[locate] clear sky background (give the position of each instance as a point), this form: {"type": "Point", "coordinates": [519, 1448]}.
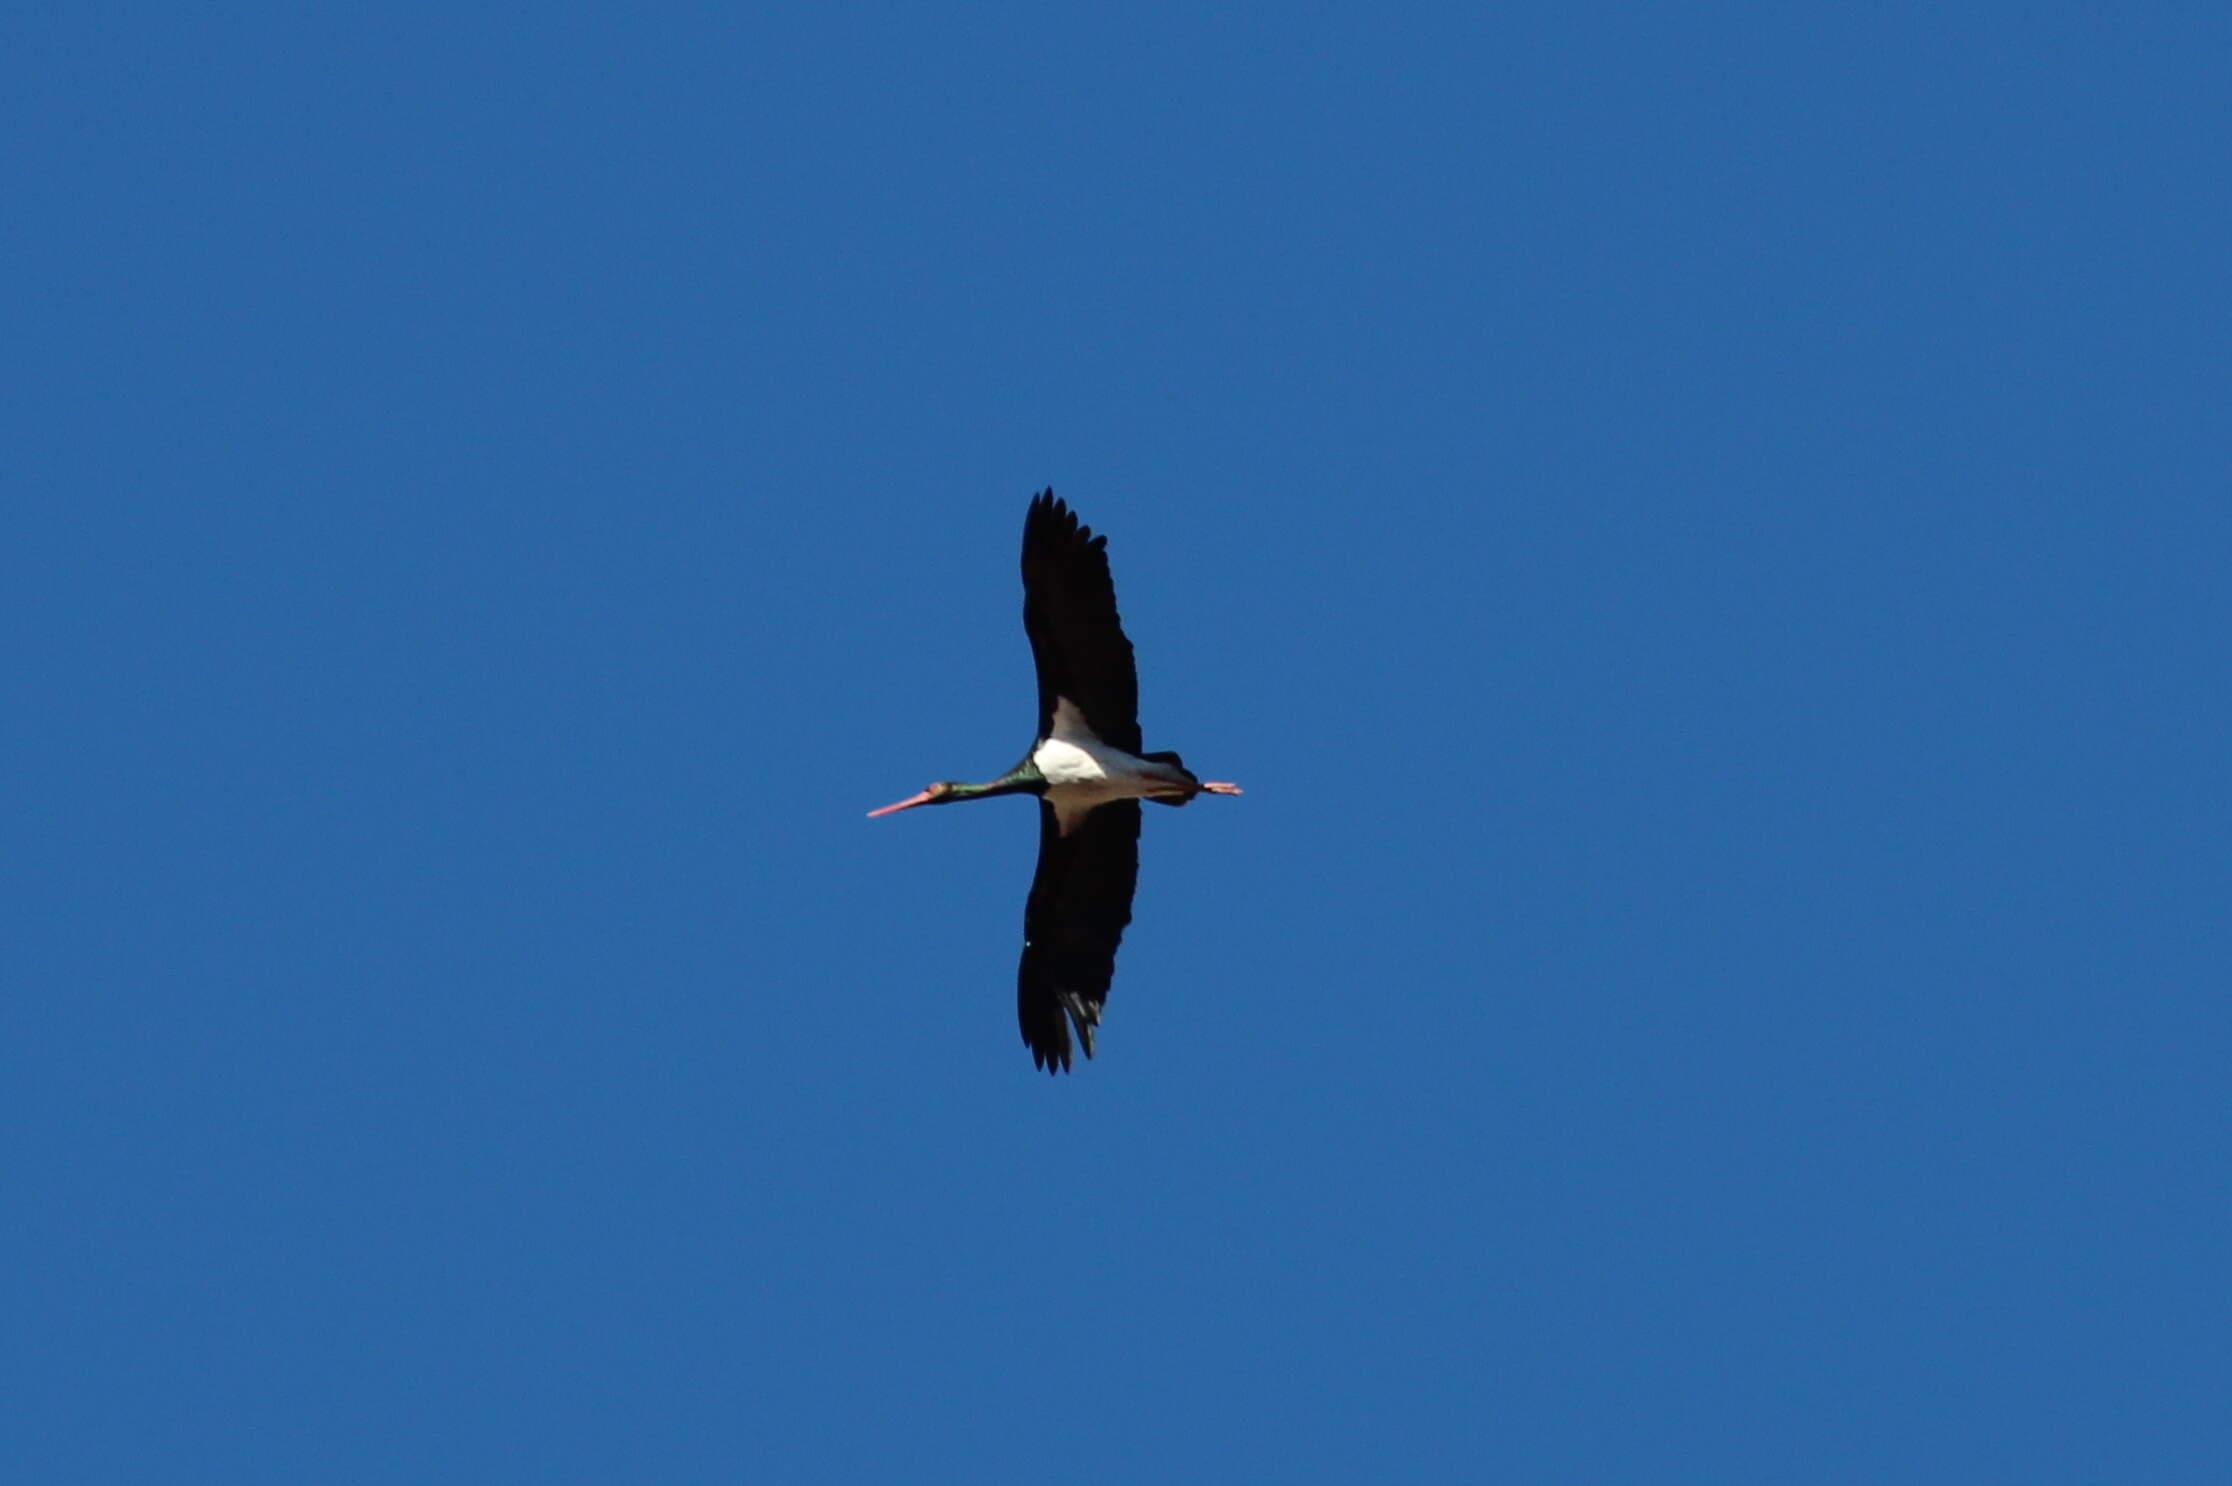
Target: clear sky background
{"type": "Point", "coordinates": [1704, 532]}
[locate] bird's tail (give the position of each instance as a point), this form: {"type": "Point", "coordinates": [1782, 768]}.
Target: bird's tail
{"type": "Point", "coordinates": [1175, 762]}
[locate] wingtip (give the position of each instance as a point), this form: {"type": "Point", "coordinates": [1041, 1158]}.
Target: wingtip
{"type": "Point", "coordinates": [1052, 1051]}
{"type": "Point", "coordinates": [1046, 504]}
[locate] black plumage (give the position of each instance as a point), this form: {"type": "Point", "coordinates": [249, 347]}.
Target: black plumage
{"type": "Point", "coordinates": [1081, 900]}
{"type": "Point", "coordinates": [1069, 611]}
{"type": "Point", "coordinates": [1081, 895]}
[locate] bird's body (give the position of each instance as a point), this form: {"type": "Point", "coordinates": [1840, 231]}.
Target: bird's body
{"type": "Point", "coordinates": [1089, 775]}
{"type": "Point", "coordinates": [1083, 773]}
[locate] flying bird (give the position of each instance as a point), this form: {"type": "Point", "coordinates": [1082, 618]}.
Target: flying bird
{"type": "Point", "coordinates": [1089, 776]}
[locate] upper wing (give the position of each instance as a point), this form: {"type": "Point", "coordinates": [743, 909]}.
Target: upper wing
{"type": "Point", "coordinates": [1080, 901]}
{"type": "Point", "coordinates": [1069, 611]}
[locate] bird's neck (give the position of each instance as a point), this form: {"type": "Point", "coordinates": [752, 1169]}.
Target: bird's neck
{"type": "Point", "coordinates": [1023, 779]}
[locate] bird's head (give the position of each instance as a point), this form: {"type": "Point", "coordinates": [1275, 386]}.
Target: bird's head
{"type": "Point", "coordinates": [936, 794]}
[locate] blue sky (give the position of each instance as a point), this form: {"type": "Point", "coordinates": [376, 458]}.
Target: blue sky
{"type": "Point", "coordinates": [1704, 535]}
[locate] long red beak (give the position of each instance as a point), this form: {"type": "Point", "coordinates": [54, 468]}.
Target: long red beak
{"type": "Point", "coordinates": [907, 804]}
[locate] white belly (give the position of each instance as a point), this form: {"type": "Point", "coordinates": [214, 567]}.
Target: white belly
{"type": "Point", "coordinates": [1081, 771]}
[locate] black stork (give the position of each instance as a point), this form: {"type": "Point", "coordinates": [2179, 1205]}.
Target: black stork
{"type": "Point", "coordinates": [1089, 776]}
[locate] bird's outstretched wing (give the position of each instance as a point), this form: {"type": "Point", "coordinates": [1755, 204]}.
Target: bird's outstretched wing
{"type": "Point", "coordinates": [1069, 611]}
{"type": "Point", "coordinates": [1080, 902]}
